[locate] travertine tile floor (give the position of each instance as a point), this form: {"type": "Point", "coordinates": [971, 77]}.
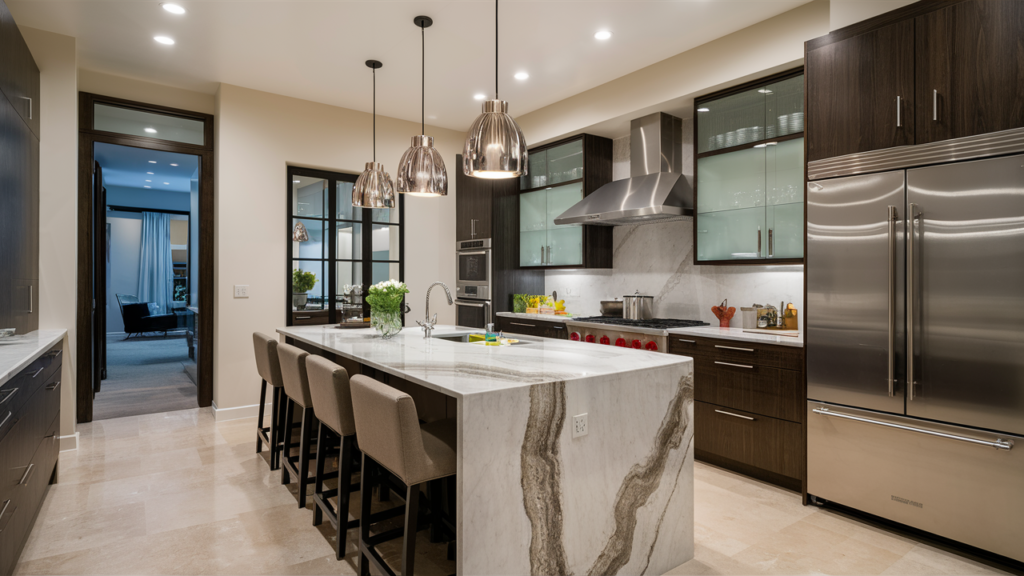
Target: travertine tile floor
{"type": "Point", "coordinates": [177, 493]}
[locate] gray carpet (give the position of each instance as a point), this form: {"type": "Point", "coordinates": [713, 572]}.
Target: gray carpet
{"type": "Point", "coordinates": [145, 375]}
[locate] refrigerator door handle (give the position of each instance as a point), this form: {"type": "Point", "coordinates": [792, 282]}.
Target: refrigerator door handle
{"type": "Point", "coordinates": [912, 216]}
{"type": "Point", "coordinates": [998, 443]}
{"type": "Point", "coordinates": [893, 215]}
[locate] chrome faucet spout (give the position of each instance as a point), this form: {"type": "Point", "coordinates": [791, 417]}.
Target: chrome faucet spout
{"type": "Point", "coordinates": [428, 323]}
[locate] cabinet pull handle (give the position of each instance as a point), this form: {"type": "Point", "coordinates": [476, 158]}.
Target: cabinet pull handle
{"type": "Point", "coordinates": [28, 472]}
{"type": "Point", "coordinates": [687, 341]}
{"type": "Point", "coordinates": [549, 254]}
{"type": "Point", "coordinates": [771, 243]}
{"type": "Point", "coordinates": [303, 317]}
{"type": "Point", "coordinates": [899, 117]}
{"type": "Point", "coordinates": [4, 509]}
{"type": "Point", "coordinates": [912, 216]}
{"type": "Point", "coordinates": [541, 254]}
{"type": "Point", "coordinates": [53, 386]}
{"type": "Point", "coordinates": [518, 324]}
{"type": "Point", "coordinates": [10, 394]}
{"type": "Point", "coordinates": [998, 443]}
{"type": "Point", "coordinates": [758, 241]}
{"type": "Point", "coordinates": [892, 299]}
{"type": "Point", "coordinates": [472, 227]}
{"type": "Point", "coordinates": [734, 365]}
{"type": "Point", "coordinates": [935, 105]}
{"type": "Point", "coordinates": [557, 327]}
{"type": "Point", "coordinates": [734, 348]}
{"type": "Point", "coordinates": [57, 355]}
{"type": "Point", "coordinates": [31, 304]}
{"type": "Point", "coordinates": [37, 372]}
{"type": "Point", "coordinates": [6, 418]}
{"type": "Point", "coordinates": [735, 415]}
{"type": "Point", "coordinates": [29, 106]}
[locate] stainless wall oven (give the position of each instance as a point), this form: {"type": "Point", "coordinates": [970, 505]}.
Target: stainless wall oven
{"type": "Point", "coordinates": [473, 283]}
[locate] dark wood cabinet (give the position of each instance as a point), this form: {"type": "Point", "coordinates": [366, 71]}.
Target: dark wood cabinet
{"type": "Point", "coordinates": [19, 180]}
{"type": "Point", "coordinates": [860, 93]}
{"type": "Point", "coordinates": [539, 328]}
{"type": "Point", "coordinates": [749, 407]}
{"type": "Point", "coordinates": [970, 69]}
{"type": "Point", "coordinates": [474, 206]}
{"type": "Point", "coordinates": [957, 67]}
{"type": "Point", "coordinates": [29, 446]}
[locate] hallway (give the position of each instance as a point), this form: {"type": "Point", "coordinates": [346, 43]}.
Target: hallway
{"type": "Point", "coordinates": [145, 375]}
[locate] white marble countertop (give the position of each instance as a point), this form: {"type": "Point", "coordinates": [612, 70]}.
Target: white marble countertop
{"type": "Point", "coordinates": [20, 350]}
{"type": "Point", "coordinates": [459, 369]}
{"type": "Point", "coordinates": [540, 317]}
{"type": "Point", "coordinates": [744, 335]}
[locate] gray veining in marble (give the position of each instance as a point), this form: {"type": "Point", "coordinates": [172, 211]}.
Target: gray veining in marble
{"type": "Point", "coordinates": [542, 479]}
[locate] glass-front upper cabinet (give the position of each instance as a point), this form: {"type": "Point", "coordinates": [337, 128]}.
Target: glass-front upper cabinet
{"type": "Point", "coordinates": [558, 177]}
{"type": "Point", "coordinates": [749, 174]}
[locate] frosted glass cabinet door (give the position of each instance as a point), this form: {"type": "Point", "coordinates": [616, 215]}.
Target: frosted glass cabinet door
{"type": "Point", "coordinates": [732, 235]}
{"type": "Point", "coordinates": [560, 199]}
{"type": "Point", "coordinates": [784, 172]}
{"type": "Point", "coordinates": [784, 113]}
{"type": "Point", "coordinates": [731, 121]}
{"type": "Point", "coordinates": [787, 224]}
{"type": "Point", "coordinates": [531, 245]}
{"type": "Point", "coordinates": [565, 162]}
{"type": "Point", "coordinates": [533, 211]}
{"type": "Point", "coordinates": [731, 181]}
{"type": "Point", "coordinates": [566, 246]}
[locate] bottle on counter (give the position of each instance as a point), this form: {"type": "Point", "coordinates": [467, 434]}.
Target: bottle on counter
{"type": "Point", "coordinates": [490, 336]}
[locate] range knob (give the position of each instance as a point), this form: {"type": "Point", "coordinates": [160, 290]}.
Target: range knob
{"type": "Point", "coordinates": [590, 338]}
{"type": "Point", "coordinates": [605, 340]}
{"type": "Point", "coordinates": [575, 336]}
{"type": "Point", "coordinates": [652, 346]}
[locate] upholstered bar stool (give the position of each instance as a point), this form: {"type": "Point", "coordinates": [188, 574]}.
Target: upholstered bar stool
{"type": "Point", "coordinates": [269, 368]}
{"type": "Point", "coordinates": [391, 437]}
{"type": "Point", "coordinates": [296, 389]}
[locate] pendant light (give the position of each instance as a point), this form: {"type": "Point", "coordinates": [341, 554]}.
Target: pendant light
{"type": "Point", "coordinates": [300, 234]}
{"type": "Point", "coordinates": [373, 188]}
{"type": "Point", "coordinates": [421, 170]}
{"type": "Point", "coordinates": [495, 146]}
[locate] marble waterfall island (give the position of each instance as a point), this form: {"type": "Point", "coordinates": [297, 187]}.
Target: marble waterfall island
{"type": "Point", "coordinates": [531, 498]}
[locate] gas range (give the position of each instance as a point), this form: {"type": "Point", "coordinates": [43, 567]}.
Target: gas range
{"type": "Point", "coordinates": [649, 334]}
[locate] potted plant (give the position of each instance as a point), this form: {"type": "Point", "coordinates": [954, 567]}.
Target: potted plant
{"type": "Point", "coordinates": [302, 282]}
{"type": "Point", "coordinates": [385, 300]}
{"type": "Point", "coordinates": [520, 302]}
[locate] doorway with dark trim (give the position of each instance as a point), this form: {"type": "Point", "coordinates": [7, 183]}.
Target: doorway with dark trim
{"type": "Point", "coordinates": [135, 325]}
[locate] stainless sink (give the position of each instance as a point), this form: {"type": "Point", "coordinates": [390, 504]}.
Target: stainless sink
{"type": "Point", "coordinates": [465, 338]}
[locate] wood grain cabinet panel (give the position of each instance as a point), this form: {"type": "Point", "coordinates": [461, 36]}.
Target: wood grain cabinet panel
{"type": "Point", "coordinates": [757, 389]}
{"type": "Point", "coordinates": [538, 328]}
{"type": "Point", "coordinates": [970, 69]}
{"type": "Point", "coordinates": [769, 444]}
{"type": "Point", "coordinates": [785, 357]}
{"type": "Point", "coordinates": [852, 90]}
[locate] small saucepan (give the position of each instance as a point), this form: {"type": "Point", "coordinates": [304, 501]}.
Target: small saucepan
{"type": "Point", "coordinates": [611, 308]}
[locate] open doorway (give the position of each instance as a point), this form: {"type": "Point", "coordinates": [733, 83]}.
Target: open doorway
{"type": "Point", "coordinates": [151, 280]}
{"type": "Point", "coordinates": [145, 283]}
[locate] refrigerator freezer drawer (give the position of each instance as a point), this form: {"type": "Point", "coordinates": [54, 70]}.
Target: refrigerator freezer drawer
{"type": "Point", "coordinates": [960, 483]}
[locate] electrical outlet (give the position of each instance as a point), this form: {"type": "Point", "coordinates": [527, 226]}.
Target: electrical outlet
{"type": "Point", "coordinates": [579, 425]}
{"type": "Point", "coordinates": [241, 290]}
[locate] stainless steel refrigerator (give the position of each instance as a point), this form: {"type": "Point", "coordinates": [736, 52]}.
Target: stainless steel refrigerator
{"type": "Point", "coordinates": [917, 275]}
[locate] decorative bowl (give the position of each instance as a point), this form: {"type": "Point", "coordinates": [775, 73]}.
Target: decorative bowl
{"type": "Point", "coordinates": [6, 332]}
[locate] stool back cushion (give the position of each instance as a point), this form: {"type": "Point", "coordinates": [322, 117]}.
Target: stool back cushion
{"type": "Point", "coordinates": [332, 398]}
{"type": "Point", "coordinates": [267, 362]}
{"type": "Point", "coordinates": [293, 374]}
{"type": "Point", "coordinates": [388, 428]}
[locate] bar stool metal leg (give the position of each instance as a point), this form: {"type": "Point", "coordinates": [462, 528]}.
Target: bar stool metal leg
{"type": "Point", "coordinates": [275, 440]}
{"type": "Point", "coordinates": [365, 500]}
{"type": "Point", "coordinates": [307, 430]}
{"type": "Point", "coordinates": [286, 431]}
{"type": "Point", "coordinates": [318, 483]}
{"type": "Point", "coordinates": [259, 420]}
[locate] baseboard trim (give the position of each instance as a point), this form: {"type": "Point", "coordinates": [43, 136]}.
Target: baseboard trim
{"type": "Point", "coordinates": [238, 412]}
{"type": "Point", "coordinates": [69, 442]}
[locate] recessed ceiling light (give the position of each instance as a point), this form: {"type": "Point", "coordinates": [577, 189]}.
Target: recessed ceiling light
{"type": "Point", "coordinates": [148, 172]}
{"type": "Point", "coordinates": [765, 91]}
{"type": "Point", "coordinates": [603, 35]}
{"type": "Point", "coordinates": [703, 110]}
{"type": "Point", "coordinates": [173, 8]}
{"type": "Point", "coordinates": [164, 40]}
{"type": "Point", "coordinates": [296, 181]}
{"type": "Point", "coordinates": [151, 130]}
{"type": "Point", "coordinates": [146, 186]}
{"type": "Point", "coordinates": [148, 180]}
{"type": "Point", "coordinates": [173, 164]}
{"type": "Point", "coordinates": [152, 161]}
{"type": "Point", "coordinates": [521, 76]}
{"type": "Point", "coordinates": [479, 96]}
{"type": "Point", "coordinates": [167, 183]}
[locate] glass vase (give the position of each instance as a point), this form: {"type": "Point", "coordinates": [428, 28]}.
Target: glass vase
{"type": "Point", "coordinates": [388, 323]}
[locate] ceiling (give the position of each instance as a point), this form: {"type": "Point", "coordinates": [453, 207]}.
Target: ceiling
{"type": "Point", "coordinates": [130, 167]}
{"type": "Point", "coordinates": [315, 50]}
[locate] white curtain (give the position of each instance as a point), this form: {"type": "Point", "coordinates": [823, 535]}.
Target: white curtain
{"type": "Point", "coordinates": [156, 272]}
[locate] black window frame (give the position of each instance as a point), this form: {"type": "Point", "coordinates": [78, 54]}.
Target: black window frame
{"type": "Point", "coordinates": [330, 260]}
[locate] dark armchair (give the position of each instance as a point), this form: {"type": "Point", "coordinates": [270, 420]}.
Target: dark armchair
{"type": "Point", "coordinates": [139, 317]}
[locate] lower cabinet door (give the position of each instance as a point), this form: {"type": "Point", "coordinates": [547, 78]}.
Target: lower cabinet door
{"type": "Point", "coordinates": [751, 439]}
{"type": "Point", "coordinates": [758, 389]}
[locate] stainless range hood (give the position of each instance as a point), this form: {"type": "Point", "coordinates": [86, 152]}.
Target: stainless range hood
{"type": "Point", "coordinates": [656, 190]}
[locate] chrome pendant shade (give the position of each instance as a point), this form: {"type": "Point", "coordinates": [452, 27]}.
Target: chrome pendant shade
{"type": "Point", "coordinates": [421, 170]}
{"type": "Point", "coordinates": [495, 146]}
{"type": "Point", "coordinates": [373, 188]}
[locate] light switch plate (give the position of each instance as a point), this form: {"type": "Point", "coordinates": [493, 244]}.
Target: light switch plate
{"type": "Point", "coordinates": [579, 425]}
{"type": "Point", "coordinates": [241, 290]}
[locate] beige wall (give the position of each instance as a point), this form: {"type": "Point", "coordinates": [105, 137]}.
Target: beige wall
{"type": "Point", "coordinates": [845, 12]}
{"type": "Point", "coordinates": [141, 91]}
{"type": "Point", "coordinates": [258, 136]}
{"type": "Point", "coordinates": [670, 85]}
{"type": "Point", "coordinates": [58, 184]}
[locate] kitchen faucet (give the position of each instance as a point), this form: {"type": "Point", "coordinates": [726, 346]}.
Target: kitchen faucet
{"type": "Point", "coordinates": [428, 323]}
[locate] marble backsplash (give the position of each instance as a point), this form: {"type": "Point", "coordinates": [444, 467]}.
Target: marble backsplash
{"type": "Point", "coordinates": [657, 259]}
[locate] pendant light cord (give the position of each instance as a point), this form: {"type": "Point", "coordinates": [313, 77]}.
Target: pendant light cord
{"type": "Point", "coordinates": [374, 115]}
{"type": "Point", "coordinates": [423, 79]}
{"type": "Point", "coordinates": [496, 50]}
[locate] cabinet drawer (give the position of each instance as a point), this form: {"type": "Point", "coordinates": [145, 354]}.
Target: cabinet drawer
{"type": "Point", "coordinates": [305, 318]}
{"type": "Point", "coordinates": [761, 390]}
{"type": "Point", "coordinates": [539, 328]}
{"type": "Point", "coordinates": [752, 439]}
{"type": "Point", "coordinates": [786, 357]}
{"type": "Point", "coordinates": [51, 398]}
{"type": "Point", "coordinates": [51, 361]}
